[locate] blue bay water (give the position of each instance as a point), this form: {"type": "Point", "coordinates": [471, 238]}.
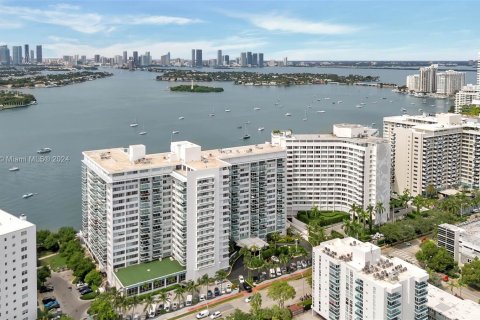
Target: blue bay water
{"type": "Point", "coordinates": [97, 114]}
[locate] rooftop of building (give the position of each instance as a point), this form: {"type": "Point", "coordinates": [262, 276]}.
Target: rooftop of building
{"type": "Point", "coordinates": [10, 223]}
{"type": "Point", "coordinates": [470, 232]}
{"type": "Point", "coordinates": [450, 306]}
{"type": "Point", "coordinates": [387, 272]}
{"type": "Point", "coordinates": [117, 160]}
{"type": "Point", "coordinates": [143, 272]}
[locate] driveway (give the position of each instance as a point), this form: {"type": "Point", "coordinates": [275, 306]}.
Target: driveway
{"type": "Point", "coordinates": [69, 299]}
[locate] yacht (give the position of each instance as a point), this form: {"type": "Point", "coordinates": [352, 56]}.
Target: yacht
{"type": "Point", "coordinates": [181, 118]}
{"type": "Point", "coordinates": [256, 108]}
{"type": "Point", "coordinates": [339, 101]}
{"type": "Point", "coordinates": [213, 113]}
{"type": "Point", "coordinates": [44, 150]}
{"type": "Point", "coordinates": [359, 106]}
{"type": "Point", "coordinates": [321, 111]}
{"type": "Point", "coordinates": [246, 135]}
{"type": "Point", "coordinates": [28, 195]}
{"type": "Point", "coordinates": [327, 98]}
{"type": "Point", "coordinates": [175, 132]}
{"type": "Point", "coordinates": [134, 123]}
{"type": "Point", "coordinates": [261, 129]}
{"type": "Point", "coordinates": [362, 103]}
{"type": "Point", "coordinates": [305, 117]}
{"type": "Point", "coordinates": [143, 132]}
{"type": "Point", "coordinates": [227, 110]}
{"type": "Point", "coordinates": [288, 114]}
{"type": "Point", "coordinates": [14, 169]}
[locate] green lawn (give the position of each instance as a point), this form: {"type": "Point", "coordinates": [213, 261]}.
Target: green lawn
{"type": "Point", "coordinates": [325, 217]}
{"type": "Point", "coordinates": [147, 271]}
{"type": "Point", "coordinates": [54, 262]}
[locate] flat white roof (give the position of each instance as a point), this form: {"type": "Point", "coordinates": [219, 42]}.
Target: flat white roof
{"type": "Point", "coordinates": [10, 223]}
{"type": "Point", "coordinates": [450, 306]}
{"type": "Point", "coordinates": [250, 242]}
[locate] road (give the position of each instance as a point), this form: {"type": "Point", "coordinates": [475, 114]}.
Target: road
{"type": "Point", "coordinates": [69, 299]}
{"type": "Point", "coordinates": [404, 251]}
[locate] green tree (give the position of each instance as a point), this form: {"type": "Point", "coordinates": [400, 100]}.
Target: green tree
{"type": "Point", "coordinates": [149, 301]}
{"type": "Point", "coordinates": [192, 287]}
{"type": "Point", "coordinates": [281, 291]}
{"type": "Point", "coordinates": [134, 301]}
{"type": "Point", "coordinates": [442, 261]}
{"type": "Point", "coordinates": [430, 191]}
{"type": "Point", "coordinates": [94, 278]}
{"type": "Point", "coordinates": [370, 210]}
{"type": "Point", "coordinates": [239, 315]}
{"type": "Point", "coordinates": [256, 304]}
{"type": "Point", "coordinates": [362, 214]}
{"type": "Point", "coordinates": [41, 236]}
{"type": "Point", "coordinates": [353, 211]}
{"type": "Point", "coordinates": [274, 237]}
{"type": "Point", "coordinates": [51, 242]}
{"type": "Point", "coordinates": [102, 308]}
{"type": "Point", "coordinates": [162, 297]}
{"type": "Point", "coordinates": [379, 210]}
{"type": "Point", "coordinates": [66, 234]}
{"type": "Point", "coordinates": [471, 273]}
{"type": "Point", "coordinates": [428, 250]}
{"type": "Point", "coordinates": [418, 202]}
{"type": "Point", "coordinates": [220, 276]}
{"type": "Point", "coordinates": [42, 274]}
{"type": "Point", "coordinates": [179, 292]}
{"type": "Point", "coordinates": [316, 234]}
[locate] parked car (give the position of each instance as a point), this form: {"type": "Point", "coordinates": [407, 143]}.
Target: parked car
{"type": "Point", "coordinates": [241, 279]}
{"type": "Point", "coordinates": [80, 284]}
{"type": "Point", "coordinates": [189, 300]}
{"type": "Point", "coordinates": [167, 306]}
{"type": "Point", "coordinates": [299, 265]}
{"type": "Point", "coordinates": [84, 292]}
{"type": "Point", "coordinates": [229, 288]}
{"type": "Point", "coordinates": [203, 297]}
{"type": "Point", "coordinates": [284, 270]}
{"type": "Point", "coordinates": [279, 272]}
{"type": "Point", "coordinates": [304, 264]}
{"type": "Point", "coordinates": [275, 259]}
{"type": "Point", "coordinates": [152, 311]}
{"type": "Point", "coordinates": [44, 289]}
{"type": "Point", "coordinates": [248, 299]}
{"type": "Point", "coordinates": [216, 292]}
{"type": "Point", "coordinates": [52, 304]}
{"type": "Point", "coordinates": [203, 314]}
{"type": "Point", "coordinates": [247, 287]}
{"type": "Point", "coordinates": [263, 276]}
{"type": "Point", "coordinates": [293, 266]}
{"type": "Point", "coordinates": [272, 273]}
{"type": "Point", "coordinates": [215, 315]}
{"type": "Point", "coordinates": [209, 294]}
{"type": "Point", "coordinates": [174, 306]}
{"type": "Point", "coordinates": [47, 300]}
{"type": "Point", "coordinates": [84, 289]}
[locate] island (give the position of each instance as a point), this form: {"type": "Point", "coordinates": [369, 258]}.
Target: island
{"type": "Point", "coordinates": [15, 99]}
{"type": "Point", "coordinates": [195, 88]}
{"type": "Point", "coordinates": [52, 80]}
{"type": "Point", "coordinates": [261, 79]}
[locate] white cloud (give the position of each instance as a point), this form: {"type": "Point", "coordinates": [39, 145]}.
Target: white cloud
{"type": "Point", "coordinates": [72, 17]}
{"type": "Point", "coordinates": [283, 23]}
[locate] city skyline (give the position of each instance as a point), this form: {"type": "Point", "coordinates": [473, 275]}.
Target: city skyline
{"type": "Point", "coordinates": [317, 31]}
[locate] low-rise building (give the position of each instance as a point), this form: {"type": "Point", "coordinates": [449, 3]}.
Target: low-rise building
{"type": "Point", "coordinates": [462, 241]}
{"type": "Point", "coordinates": [444, 306]}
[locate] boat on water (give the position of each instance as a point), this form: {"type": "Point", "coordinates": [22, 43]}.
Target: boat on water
{"type": "Point", "coordinates": [175, 132]}
{"type": "Point", "coordinates": [362, 103]}
{"type": "Point", "coordinates": [245, 134]}
{"type": "Point", "coordinates": [227, 110]}
{"type": "Point", "coordinates": [212, 114]}
{"type": "Point", "coordinates": [420, 110]}
{"type": "Point", "coordinates": [288, 114]}
{"type": "Point", "coordinates": [181, 118]}
{"type": "Point", "coordinates": [339, 101]}
{"type": "Point", "coordinates": [261, 129]}
{"type": "Point", "coordinates": [403, 109]}
{"type": "Point", "coordinates": [44, 150]}
{"type": "Point", "coordinates": [134, 123]}
{"type": "Point", "coordinates": [305, 117]}
{"type": "Point", "coordinates": [28, 195]}
{"type": "Point", "coordinates": [143, 132]}
{"type": "Point", "coordinates": [359, 106]}
{"type": "Point", "coordinates": [327, 98]}
{"type": "Point", "coordinates": [321, 111]}
{"type": "Point", "coordinates": [256, 108]}
{"type": "Point", "coordinates": [14, 169]}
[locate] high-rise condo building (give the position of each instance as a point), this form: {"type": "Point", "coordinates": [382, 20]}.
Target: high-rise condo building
{"type": "Point", "coordinates": [174, 213]}
{"type": "Point", "coordinates": [18, 268]}
{"type": "Point", "coordinates": [226, 60]}
{"type": "Point", "coordinates": [332, 171]}
{"type": "Point", "coordinates": [32, 55]}
{"type": "Point", "coordinates": [260, 60]}
{"type": "Point", "coordinates": [441, 151]}
{"type": "Point", "coordinates": [255, 59]}
{"type": "Point", "coordinates": [17, 55]}
{"type": "Point", "coordinates": [352, 280]}
{"type": "Point", "coordinates": [249, 59]}
{"type": "Point", "coordinates": [96, 58]}
{"type": "Point", "coordinates": [193, 58]}
{"type": "Point", "coordinates": [39, 54]}
{"type": "Point", "coordinates": [243, 59]}
{"type": "Point", "coordinates": [450, 82]}
{"type": "Point", "coordinates": [27, 53]}
{"type": "Point", "coordinates": [413, 82]}
{"type": "Point", "coordinates": [198, 58]}
{"type": "Point", "coordinates": [125, 57]}
{"type": "Point", "coordinates": [428, 77]}
{"type": "Point", "coordinates": [136, 62]}
{"type": "Point", "coordinates": [4, 55]}
{"type": "Point", "coordinates": [219, 58]}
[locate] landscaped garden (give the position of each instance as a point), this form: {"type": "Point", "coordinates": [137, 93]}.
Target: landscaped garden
{"type": "Point", "coordinates": [325, 218]}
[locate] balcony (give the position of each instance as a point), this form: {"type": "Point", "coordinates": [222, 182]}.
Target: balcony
{"type": "Point", "coordinates": [393, 313]}
{"type": "Point", "coordinates": [421, 293]}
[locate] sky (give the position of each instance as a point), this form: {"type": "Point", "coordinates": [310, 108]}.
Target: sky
{"type": "Point", "coordinates": [299, 30]}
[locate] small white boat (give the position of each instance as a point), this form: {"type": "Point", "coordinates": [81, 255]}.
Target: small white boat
{"type": "Point", "coordinates": [404, 110]}
{"type": "Point", "coordinates": [213, 113]}
{"type": "Point", "coordinates": [412, 103]}
{"type": "Point", "coordinates": [227, 110]}
{"type": "Point", "coordinates": [420, 110]}
{"type": "Point", "coordinates": [261, 129]}
{"type": "Point", "coordinates": [359, 106]}
{"type": "Point", "coordinates": [256, 108]}
{"type": "Point", "coordinates": [327, 98]}
{"type": "Point", "coordinates": [14, 169]}
{"type": "Point", "coordinates": [134, 123]}
{"type": "Point", "coordinates": [44, 150]}
{"type": "Point", "coordinates": [305, 118]}
{"type": "Point", "coordinates": [321, 111]}
{"type": "Point", "coordinates": [181, 118]}
{"type": "Point", "coordinates": [373, 123]}
{"type": "Point", "coordinates": [28, 195]}
{"type": "Point", "coordinates": [175, 132]}
{"type": "Point", "coordinates": [288, 114]}
{"type": "Point", "coordinates": [362, 103]}
{"type": "Point", "coordinates": [143, 132]}
{"type": "Point", "coordinates": [319, 99]}
{"type": "Point", "coordinates": [339, 101]}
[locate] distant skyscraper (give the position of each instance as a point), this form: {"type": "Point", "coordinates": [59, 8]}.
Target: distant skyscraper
{"type": "Point", "coordinates": [254, 59]}
{"type": "Point", "coordinates": [428, 78]}
{"type": "Point", "coordinates": [260, 60]}
{"type": "Point", "coordinates": [450, 82]}
{"type": "Point", "coordinates": [17, 55]}
{"type": "Point", "coordinates": [243, 59]}
{"type": "Point", "coordinates": [4, 55]}
{"type": "Point", "coordinates": [125, 57]}
{"type": "Point", "coordinates": [285, 61]}
{"type": "Point", "coordinates": [226, 60]}
{"type": "Point", "coordinates": [249, 58]}
{"type": "Point", "coordinates": [32, 56]}
{"type": "Point", "coordinates": [219, 58]}
{"type": "Point", "coordinates": [198, 58]}
{"type": "Point", "coordinates": [193, 58]}
{"type": "Point", "coordinates": [27, 54]}
{"type": "Point", "coordinates": [84, 59]}
{"type": "Point", "coordinates": [135, 58]}
{"type": "Point", "coordinates": [39, 54]}
{"type": "Point", "coordinates": [97, 58]}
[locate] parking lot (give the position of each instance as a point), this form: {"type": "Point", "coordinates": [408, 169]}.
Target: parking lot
{"type": "Point", "coordinates": [66, 295]}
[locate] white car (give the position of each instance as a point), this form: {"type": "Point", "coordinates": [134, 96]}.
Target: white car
{"type": "Point", "coordinates": [275, 259]}
{"type": "Point", "coordinates": [248, 299]}
{"type": "Point", "coordinates": [229, 288]}
{"type": "Point", "coordinates": [203, 314]}
{"type": "Point", "coordinates": [215, 315]}
{"type": "Point", "coordinates": [241, 279]}
{"type": "Point", "coordinates": [202, 297]}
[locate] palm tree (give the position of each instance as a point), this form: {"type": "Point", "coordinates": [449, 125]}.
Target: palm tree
{"type": "Point", "coordinates": [370, 209]}
{"type": "Point", "coordinates": [284, 258]}
{"type": "Point", "coordinates": [134, 302]}
{"type": "Point", "coordinates": [192, 287]}
{"type": "Point", "coordinates": [149, 302]}
{"type": "Point", "coordinates": [179, 291]}
{"type": "Point", "coordinates": [418, 202]}
{"type": "Point", "coordinates": [162, 297]}
{"type": "Point", "coordinates": [430, 191]}
{"type": "Point", "coordinates": [274, 237]}
{"type": "Point", "coordinates": [347, 226]}
{"type": "Point", "coordinates": [204, 280]}
{"type": "Point", "coordinates": [405, 197]}
{"type": "Point", "coordinates": [353, 210]}
{"type": "Point", "coordinates": [363, 215]}
{"type": "Point", "coordinates": [221, 275]}
{"type": "Point", "coordinates": [379, 210]}
{"type": "Point", "coordinates": [256, 304]}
